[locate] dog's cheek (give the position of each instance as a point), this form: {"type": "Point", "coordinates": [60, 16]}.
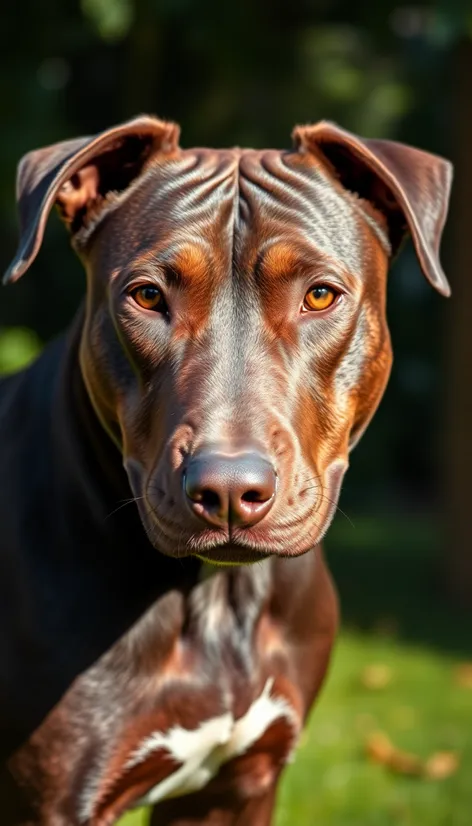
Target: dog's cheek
{"type": "Point", "coordinates": [362, 371]}
{"type": "Point", "coordinates": [108, 374]}
{"type": "Point", "coordinates": [323, 422]}
{"type": "Point", "coordinates": [372, 387]}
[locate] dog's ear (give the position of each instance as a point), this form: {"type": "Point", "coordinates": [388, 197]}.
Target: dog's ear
{"type": "Point", "coordinates": [78, 175]}
{"type": "Point", "coordinates": [410, 187]}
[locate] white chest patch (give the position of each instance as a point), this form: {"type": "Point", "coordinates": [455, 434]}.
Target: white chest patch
{"type": "Point", "coordinates": [216, 741]}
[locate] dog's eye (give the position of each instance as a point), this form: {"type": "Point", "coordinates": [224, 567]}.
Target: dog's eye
{"type": "Point", "coordinates": [320, 298]}
{"type": "Point", "coordinates": [149, 297]}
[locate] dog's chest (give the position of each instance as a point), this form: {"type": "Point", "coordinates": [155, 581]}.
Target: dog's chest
{"type": "Point", "coordinates": [204, 701]}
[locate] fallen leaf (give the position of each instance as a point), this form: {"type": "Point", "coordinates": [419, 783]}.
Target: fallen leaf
{"type": "Point", "coordinates": [441, 765]}
{"type": "Point", "coordinates": [379, 747]}
{"type": "Point", "coordinates": [402, 762]}
{"type": "Point", "coordinates": [381, 750]}
{"type": "Point", "coordinates": [438, 766]}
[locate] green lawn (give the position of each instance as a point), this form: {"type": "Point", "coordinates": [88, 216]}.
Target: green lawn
{"type": "Point", "coordinates": [422, 709]}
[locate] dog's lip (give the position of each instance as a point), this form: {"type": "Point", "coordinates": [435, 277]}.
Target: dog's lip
{"type": "Point", "coordinates": [241, 546]}
{"type": "Point", "coordinates": [230, 553]}
{"type": "Point", "coordinates": [217, 546]}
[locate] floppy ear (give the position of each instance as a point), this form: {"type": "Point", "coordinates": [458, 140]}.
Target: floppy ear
{"type": "Point", "coordinates": [78, 175]}
{"type": "Point", "coordinates": [410, 187]}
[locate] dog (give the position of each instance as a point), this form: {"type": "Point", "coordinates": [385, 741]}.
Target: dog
{"type": "Point", "coordinates": [170, 466]}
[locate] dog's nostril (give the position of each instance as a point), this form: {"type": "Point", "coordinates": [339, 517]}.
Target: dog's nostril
{"type": "Point", "coordinates": [252, 496]}
{"type": "Point", "coordinates": [208, 498]}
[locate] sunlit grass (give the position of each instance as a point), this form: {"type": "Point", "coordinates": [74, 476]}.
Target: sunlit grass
{"type": "Point", "coordinates": [422, 709]}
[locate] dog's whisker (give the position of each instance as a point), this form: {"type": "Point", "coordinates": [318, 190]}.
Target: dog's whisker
{"type": "Point", "coordinates": [325, 498]}
{"type": "Point", "coordinates": [130, 501]}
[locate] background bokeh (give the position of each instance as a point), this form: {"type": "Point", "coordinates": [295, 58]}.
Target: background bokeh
{"type": "Point", "coordinates": [244, 73]}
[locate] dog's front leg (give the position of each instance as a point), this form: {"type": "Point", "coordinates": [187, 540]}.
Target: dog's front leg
{"type": "Point", "coordinates": [203, 809]}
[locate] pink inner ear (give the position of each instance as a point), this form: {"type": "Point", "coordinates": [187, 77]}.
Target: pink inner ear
{"type": "Point", "coordinates": [77, 193]}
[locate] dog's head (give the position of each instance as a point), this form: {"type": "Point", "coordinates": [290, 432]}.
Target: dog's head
{"type": "Point", "coordinates": [235, 343]}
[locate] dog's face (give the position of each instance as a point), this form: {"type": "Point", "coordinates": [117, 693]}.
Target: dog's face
{"type": "Point", "coordinates": [237, 304]}
{"type": "Point", "coordinates": [235, 342]}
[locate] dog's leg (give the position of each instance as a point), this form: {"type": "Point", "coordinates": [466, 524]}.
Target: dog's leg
{"type": "Point", "coordinates": [206, 810]}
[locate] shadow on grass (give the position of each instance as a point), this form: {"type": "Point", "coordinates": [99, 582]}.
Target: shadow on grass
{"type": "Point", "coordinates": [389, 575]}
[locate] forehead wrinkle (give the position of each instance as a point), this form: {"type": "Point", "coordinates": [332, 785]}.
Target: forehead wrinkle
{"type": "Point", "coordinates": [192, 188]}
{"type": "Point", "coordinates": [306, 198]}
{"type": "Point", "coordinates": [194, 165]}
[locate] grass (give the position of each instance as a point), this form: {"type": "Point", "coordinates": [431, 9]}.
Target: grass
{"type": "Point", "coordinates": [422, 709]}
{"type": "Point", "coordinates": [395, 617]}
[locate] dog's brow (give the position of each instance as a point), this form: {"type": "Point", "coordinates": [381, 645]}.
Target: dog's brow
{"type": "Point", "coordinates": [282, 260]}
{"type": "Point", "coordinates": [189, 263]}
{"type": "Point", "coordinates": [181, 264]}
{"type": "Point", "coordinates": [279, 260]}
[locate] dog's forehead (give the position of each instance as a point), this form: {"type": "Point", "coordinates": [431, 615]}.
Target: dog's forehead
{"type": "Point", "coordinates": [245, 199]}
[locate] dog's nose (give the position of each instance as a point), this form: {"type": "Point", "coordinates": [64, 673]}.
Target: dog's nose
{"type": "Point", "coordinates": [230, 489]}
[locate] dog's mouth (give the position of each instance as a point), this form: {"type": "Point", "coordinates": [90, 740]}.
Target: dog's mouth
{"type": "Point", "coordinates": [238, 547]}
{"type": "Point", "coordinates": [210, 545]}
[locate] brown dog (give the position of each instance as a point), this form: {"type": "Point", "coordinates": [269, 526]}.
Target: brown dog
{"type": "Point", "coordinates": [231, 352]}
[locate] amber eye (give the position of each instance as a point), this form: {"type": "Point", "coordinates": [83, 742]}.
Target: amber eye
{"type": "Point", "coordinates": [320, 298]}
{"type": "Point", "coordinates": [149, 297]}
